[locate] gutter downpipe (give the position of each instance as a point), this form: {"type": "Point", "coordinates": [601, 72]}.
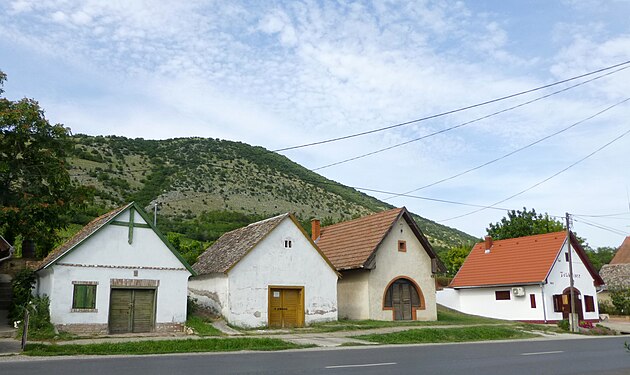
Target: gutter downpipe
{"type": "Point", "coordinates": [542, 292]}
{"type": "Point", "coordinates": [11, 251]}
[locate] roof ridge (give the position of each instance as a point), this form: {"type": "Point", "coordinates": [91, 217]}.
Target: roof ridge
{"type": "Point", "coordinates": [364, 217]}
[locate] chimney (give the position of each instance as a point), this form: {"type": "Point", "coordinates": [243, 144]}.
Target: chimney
{"type": "Point", "coordinates": [488, 244]}
{"type": "Point", "coordinates": [315, 229]}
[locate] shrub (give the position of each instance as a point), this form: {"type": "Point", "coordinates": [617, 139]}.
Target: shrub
{"type": "Point", "coordinates": [564, 324]}
{"type": "Point", "coordinates": [606, 307]}
{"type": "Point", "coordinates": [585, 324]}
{"type": "Point", "coordinates": [22, 285]}
{"type": "Point", "coordinates": [621, 299]}
{"type": "Point", "coordinates": [191, 306]}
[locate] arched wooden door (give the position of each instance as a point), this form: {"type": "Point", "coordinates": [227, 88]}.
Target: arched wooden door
{"type": "Point", "coordinates": [566, 303]}
{"type": "Point", "coordinates": [403, 297]}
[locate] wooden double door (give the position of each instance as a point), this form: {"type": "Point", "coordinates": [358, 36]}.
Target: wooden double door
{"type": "Point", "coordinates": [131, 310]}
{"type": "Point", "coordinates": [286, 307]}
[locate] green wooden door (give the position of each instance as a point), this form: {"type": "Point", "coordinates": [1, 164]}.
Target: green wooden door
{"type": "Point", "coordinates": [131, 310]}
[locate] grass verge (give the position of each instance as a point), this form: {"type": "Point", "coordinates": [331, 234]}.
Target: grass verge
{"type": "Point", "coordinates": [202, 327]}
{"type": "Point", "coordinates": [434, 335]}
{"type": "Point", "coordinates": [162, 347]}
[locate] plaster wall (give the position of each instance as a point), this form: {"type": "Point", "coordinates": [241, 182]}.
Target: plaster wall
{"type": "Point", "coordinates": [270, 263]}
{"type": "Point", "coordinates": [353, 296]}
{"type": "Point", "coordinates": [414, 264]}
{"type": "Point", "coordinates": [211, 292]}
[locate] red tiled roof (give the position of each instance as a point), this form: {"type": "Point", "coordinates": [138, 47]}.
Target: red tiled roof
{"type": "Point", "coordinates": [515, 261]}
{"type": "Point", "coordinates": [351, 244]}
{"type": "Point", "coordinates": [623, 253]}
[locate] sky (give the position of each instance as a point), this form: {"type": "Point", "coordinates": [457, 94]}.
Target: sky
{"type": "Point", "coordinates": [279, 74]}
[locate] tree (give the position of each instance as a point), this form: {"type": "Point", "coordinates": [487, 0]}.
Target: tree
{"type": "Point", "coordinates": [455, 257]}
{"type": "Point", "coordinates": [601, 256]}
{"type": "Point", "coordinates": [36, 192]}
{"type": "Point", "coordinates": [524, 223]}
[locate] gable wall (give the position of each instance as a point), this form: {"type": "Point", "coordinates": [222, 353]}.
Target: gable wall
{"type": "Point", "coordinates": [353, 295]}
{"type": "Point", "coordinates": [558, 280]}
{"type": "Point", "coordinates": [107, 255]}
{"type": "Point", "coordinates": [270, 263]}
{"type": "Point", "coordinates": [415, 263]}
{"type": "Point", "coordinates": [482, 301]}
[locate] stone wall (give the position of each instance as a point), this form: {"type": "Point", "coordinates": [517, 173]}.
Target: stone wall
{"type": "Point", "coordinates": [616, 275]}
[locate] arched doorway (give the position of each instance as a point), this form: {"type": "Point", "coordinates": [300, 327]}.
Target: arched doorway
{"type": "Point", "coordinates": [403, 297]}
{"type": "Point", "coordinates": [562, 302]}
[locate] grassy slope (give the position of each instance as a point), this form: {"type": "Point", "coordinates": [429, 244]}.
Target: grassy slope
{"type": "Point", "coordinates": [193, 175]}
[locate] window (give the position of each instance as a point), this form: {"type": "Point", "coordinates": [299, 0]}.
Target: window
{"type": "Point", "coordinates": [402, 246]}
{"type": "Point", "coordinates": [502, 295]}
{"type": "Point", "coordinates": [557, 303]}
{"type": "Point", "coordinates": [589, 303]}
{"type": "Point", "coordinates": [84, 295]}
{"type": "Point", "coordinates": [566, 256]}
{"type": "Point", "coordinates": [288, 244]}
{"type": "Point", "coordinates": [532, 300]}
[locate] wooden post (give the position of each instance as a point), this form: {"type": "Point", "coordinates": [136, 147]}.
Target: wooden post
{"type": "Point", "coordinates": [25, 328]}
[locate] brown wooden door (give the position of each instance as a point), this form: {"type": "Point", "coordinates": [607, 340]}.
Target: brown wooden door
{"type": "Point", "coordinates": [285, 308]}
{"type": "Point", "coordinates": [401, 301]}
{"type": "Point", "coordinates": [131, 310]}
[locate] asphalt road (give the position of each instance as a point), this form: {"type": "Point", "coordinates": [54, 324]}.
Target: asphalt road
{"type": "Point", "coordinates": [605, 356]}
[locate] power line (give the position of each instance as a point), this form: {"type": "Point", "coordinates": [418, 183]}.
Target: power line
{"type": "Point", "coordinates": [467, 122]}
{"type": "Point", "coordinates": [603, 227]}
{"type": "Point", "coordinates": [543, 181]}
{"type": "Point", "coordinates": [452, 111]}
{"type": "Point", "coordinates": [512, 152]}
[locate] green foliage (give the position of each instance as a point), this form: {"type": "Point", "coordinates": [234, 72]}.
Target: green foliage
{"type": "Point", "coordinates": [22, 286]}
{"type": "Point", "coordinates": [433, 335]}
{"type": "Point", "coordinates": [564, 324]}
{"type": "Point", "coordinates": [39, 325]}
{"type": "Point", "coordinates": [202, 327]}
{"type": "Point", "coordinates": [620, 297]}
{"type": "Point", "coordinates": [208, 226]}
{"type": "Point", "coordinates": [35, 188]}
{"type": "Point", "coordinates": [601, 256]}
{"type": "Point", "coordinates": [188, 248]}
{"type": "Point", "coordinates": [523, 223]}
{"type": "Point", "coordinates": [163, 347]}
{"type": "Point", "coordinates": [606, 307]}
{"type": "Point", "coordinates": [191, 306]}
{"type": "Point", "coordinates": [455, 257]}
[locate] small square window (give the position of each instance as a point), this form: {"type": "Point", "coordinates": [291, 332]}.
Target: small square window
{"type": "Point", "coordinates": [84, 296]}
{"type": "Point", "coordinates": [402, 246]}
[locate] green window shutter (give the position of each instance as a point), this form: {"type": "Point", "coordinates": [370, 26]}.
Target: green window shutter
{"type": "Point", "coordinates": [84, 297]}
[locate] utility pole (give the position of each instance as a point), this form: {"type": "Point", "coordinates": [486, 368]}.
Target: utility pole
{"type": "Point", "coordinates": [573, 325]}
{"type": "Point", "coordinates": [155, 213]}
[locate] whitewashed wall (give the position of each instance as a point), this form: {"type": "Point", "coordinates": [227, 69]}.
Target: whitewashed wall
{"type": "Point", "coordinates": [482, 301]}
{"type": "Point", "coordinates": [211, 291]}
{"type": "Point", "coordinates": [414, 264]}
{"type": "Point", "coordinates": [353, 296]}
{"type": "Point", "coordinates": [270, 263]}
{"type": "Point", "coordinates": [107, 255]}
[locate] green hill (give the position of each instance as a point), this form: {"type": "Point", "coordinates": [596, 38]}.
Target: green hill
{"type": "Point", "coordinates": [205, 187]}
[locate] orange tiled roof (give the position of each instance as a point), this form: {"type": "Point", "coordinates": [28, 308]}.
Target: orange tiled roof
{"type": "Point", "coordinates": [350, 244]}
{"type": "Point", "coordinates": [515, 261]}
{"type": "Point", "coordinates": [623, 254]}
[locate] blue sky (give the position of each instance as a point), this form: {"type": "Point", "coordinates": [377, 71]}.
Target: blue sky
{"type": "Point", "coordinates": [277, 74]}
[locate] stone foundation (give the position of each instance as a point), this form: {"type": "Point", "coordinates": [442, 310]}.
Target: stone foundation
{"type": "Point", "coordinates": [83, 329]}
{"type": "Point", "coordinates": [102, 329]}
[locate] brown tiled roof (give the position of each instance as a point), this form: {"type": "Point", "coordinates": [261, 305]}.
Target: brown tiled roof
{"type": "Point", "coordinates": [623, 253]}
{"type": "Point", "coordinates": [351, 244]}
{"type": "Point", "coordinates": [84, 233]}
{"type": "Point", "coordinates": [516, 261]}
{"type": "Point", "coordinates": [232, 246]}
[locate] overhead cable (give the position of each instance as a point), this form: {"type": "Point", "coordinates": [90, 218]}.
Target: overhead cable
{"type": "Point", "coordinates": [454, 110]}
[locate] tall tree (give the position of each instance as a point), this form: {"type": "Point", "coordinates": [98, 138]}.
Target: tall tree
{"type": "Point", "coordinates": [523, 223]}
{"type": "Point", "coordinates": [455, 257]}
{"type": "Point", "coordinates": [36, 192]}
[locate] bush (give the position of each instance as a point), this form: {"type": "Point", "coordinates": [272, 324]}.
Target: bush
{"type": "Point", "coordinates": [621, 299]}
{"type": "Point", "coordinates": [606, 307]}
{"type": "Point", "coordinates": [564, 324]}
{"type": "Point", "coordinates": [191, 306]}
{"type": "Point", "coordinates": [22, 286]}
